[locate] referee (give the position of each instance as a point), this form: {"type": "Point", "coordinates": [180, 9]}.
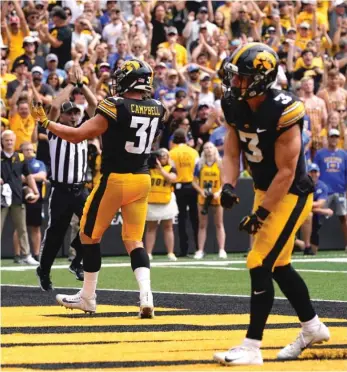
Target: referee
{"type": "Point", "coordinates": [68, 195]}
{"type": "Point", "coordinates": [185, 159]}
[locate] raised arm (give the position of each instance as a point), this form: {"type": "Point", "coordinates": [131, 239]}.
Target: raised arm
{"type": "Point", "coordinates": [23, 22]}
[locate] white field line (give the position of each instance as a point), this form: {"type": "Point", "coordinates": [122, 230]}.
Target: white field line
{"type": "Point", "coordinates": [164, 292]}
{"type": "Point", "coordinates": [187, 264]}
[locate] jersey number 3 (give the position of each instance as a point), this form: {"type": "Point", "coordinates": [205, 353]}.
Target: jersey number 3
{"type": "Point", "coordinates": [254, 153]}
{"type": "Point", "coordinates": [145, 141]}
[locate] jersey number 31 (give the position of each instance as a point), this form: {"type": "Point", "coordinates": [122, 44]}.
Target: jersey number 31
{"type": "Point", "coordinates": [144, 139]}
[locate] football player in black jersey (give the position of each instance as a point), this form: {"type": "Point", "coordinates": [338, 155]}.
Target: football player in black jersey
{"type": "Point", "coordinates": [128, 123]}
{"type": "Point", "coordinates": [266, 125]}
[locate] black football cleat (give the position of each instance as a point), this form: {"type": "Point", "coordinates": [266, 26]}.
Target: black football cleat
{"type": "Point", "coordinates": [78, 271]}
{"type": "Point", "coordinates": [44, 279]}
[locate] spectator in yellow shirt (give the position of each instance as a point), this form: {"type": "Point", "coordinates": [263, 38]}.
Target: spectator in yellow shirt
{"type": "Point", "coordinates": [304, 36]}
{"type": "Point", "coordinates": [14, 34]}
{"type": "Point", "coordinates": [20, 120]}
{"type": "Point", "coordinates": [309, 14]}
{"type": "Point", "coordinates": [181, 51]}
{"type": "Point", "coordinates": [5, 78]}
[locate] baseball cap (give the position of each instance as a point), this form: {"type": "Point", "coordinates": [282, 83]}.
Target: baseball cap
{"type": "Point", "coordinates": [203, 9]}
{"type": "Point", "coordinates": [68, 106]}
{"type": "Point", "coordinates": [59, 12]}
{"type": "Point", "coordinates": [305, 25]}
{"type": "Point", "coordinates": [204, 76]}
{"type": "Point", "coordinates": [18, 62]}
{"type": "Point", "coordinates": [312, 2]}
{"type": "Point", "coordinates": [37, 69]}
{"type": "Point", "coordinates": [161, 64]}
{"type": "Point", "coordinates": [193, 68]}
{"type": "Point", "coordinates": [172, 72]}
{"type": "Point", "coordinates": [171, 30]}
{"type": "Point", "coordinates": [313, 168]}
{"type": "Point", "coordinates": [181, 93]}
{"type": "Point", "coordinates": [271, 29]}
{"type": "Point", "coordinates": [203, 105]}
{"type": "Point", "coordinates": [180, 107]}
{"type": "Point", "coordinates": [29, 39]}
{"type": "Point", "coordinates": [334, 133]}
{"type": "Point", "coordinates": [291, 29]}
{"type": "Point", "coordinates": [51, 57]}
{"type": "Point", "coordinates": [235, 42]}
{"type": "Point", "coordinates": [68, 65]}
{"type": "Point", "coordinates": [104, 64]}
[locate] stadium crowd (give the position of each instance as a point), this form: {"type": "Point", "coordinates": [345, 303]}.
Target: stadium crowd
{"type": "Point", "coordinates": [54, 51]}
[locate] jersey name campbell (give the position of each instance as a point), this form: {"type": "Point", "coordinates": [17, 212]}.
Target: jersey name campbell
{"type": "Point", "coordinates": [258, 132]}
{"type": "Point", "coordinates": [132, 126]}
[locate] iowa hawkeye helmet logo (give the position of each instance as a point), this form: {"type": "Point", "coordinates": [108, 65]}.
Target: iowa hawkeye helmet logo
{"type": "Point", "coordinates": [264, 61]}
{"type": "Point", "coordinates": [130, 65]}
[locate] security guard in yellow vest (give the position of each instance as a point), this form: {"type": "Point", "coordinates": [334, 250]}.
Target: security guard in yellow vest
{"type": "Point", "coordinates": [185, 158]}
{"type": "Point", "coordinates": [207, 182]}
{"type": "Point", "coordinates": [162, 207]}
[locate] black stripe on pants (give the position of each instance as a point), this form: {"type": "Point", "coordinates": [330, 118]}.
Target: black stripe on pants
{"type": "Point", "coordinates": [63, 204]}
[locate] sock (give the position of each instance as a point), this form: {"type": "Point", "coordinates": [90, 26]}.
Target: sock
{"type": "Point", "coordinates": [143, 277]}
{"type": "Point", "coordinates": [311, 325]}
{"type": "Point", "coordinates": [89, 284]}
{"type": "Point", "coordinates": [295, 289]}
{"type": "Point", "coordinates": [262, 298]}
{"type": "Point", "coordinates": [248, 342]}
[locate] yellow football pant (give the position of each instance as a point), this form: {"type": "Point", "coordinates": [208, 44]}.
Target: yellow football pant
{"type": "Point", "coordinates": [126, 191]}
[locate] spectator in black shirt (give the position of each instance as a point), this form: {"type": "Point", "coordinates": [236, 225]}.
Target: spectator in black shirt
{"type": "Point", "coordinates": [13, 168]}
{"type": "Point", "coordinates": [30, 44]}
{"type": "Point", "coordinates": [159, 25]}
{"type": "Point", "coordinates": [45, 92]}
{"type": "Point", "coordinates": [59, 36]}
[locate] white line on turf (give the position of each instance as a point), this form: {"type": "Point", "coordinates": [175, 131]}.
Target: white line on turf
{"type": "Point", "coordinates": [164, 292]}
{"type": "Point", "coordinates": [188, 264]}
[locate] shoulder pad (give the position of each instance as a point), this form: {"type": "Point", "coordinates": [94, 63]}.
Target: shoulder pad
{"type": "Point", "coordinates": [229, 110]}
{"type": "Point", "coordinates": [108, 106]}
{"type": "Point", "coordinates": [292, 109]}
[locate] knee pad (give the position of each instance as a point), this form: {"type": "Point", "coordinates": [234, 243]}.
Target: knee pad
{"type": "Point", "coordinates": [139, 258]}
{"type": "Point", "coordinates": [261, 279]}
{"type": "Point", "coordinates": [91, 258]}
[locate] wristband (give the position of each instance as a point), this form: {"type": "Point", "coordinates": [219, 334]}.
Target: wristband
{"type": "Point", "coordinates": [262, 213]}
{"type": "Point", "coordinates": [79, 84]}
{"type": "Point", "coordinates": [45, 123]}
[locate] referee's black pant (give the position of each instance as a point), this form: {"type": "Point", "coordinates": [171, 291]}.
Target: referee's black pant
{"type": "Point", "coordinates": [65, 200]}
{"type": "Point", "coordinates": [186, 196]}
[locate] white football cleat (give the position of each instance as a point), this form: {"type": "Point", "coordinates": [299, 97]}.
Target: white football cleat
{"type": "Point", "coordinates": [171, 257]}
{"type": "Point", "coordinates": [240, 355]}
{"type": "Point", "coordinates": [222, 254]}
{"type": "Point", "coordinates": [304, 340]}
{"type": "Point", "coordinates": [199, 255]}
{"type": "Point", "coordinates": [146, 306]}
{"type": "Point", "coordinates": [77, 302]}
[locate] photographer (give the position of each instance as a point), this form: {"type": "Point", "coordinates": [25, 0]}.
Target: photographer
{"type": "Point", "coordinates": [162, 205]}
{"type": "Point", "coordinates": [207, 182]}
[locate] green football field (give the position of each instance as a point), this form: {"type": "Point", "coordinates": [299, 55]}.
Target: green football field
{"type": "Point", "coordinates": [325, 275]}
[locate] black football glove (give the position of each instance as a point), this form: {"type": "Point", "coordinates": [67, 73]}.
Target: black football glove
{"type": "Point", "coordinates": [254, 222]}
{"type": "Point", "coordinates": [228, 196]}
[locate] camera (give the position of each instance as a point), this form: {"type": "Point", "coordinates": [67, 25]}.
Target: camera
{"type": "Point", "coordinates": [208, 198]}
{"type": "Point", "coordinates": [152, 159]}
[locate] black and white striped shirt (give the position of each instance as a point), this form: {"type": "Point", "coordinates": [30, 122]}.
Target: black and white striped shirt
{"type": "Point", "coordinates": [68, 160]}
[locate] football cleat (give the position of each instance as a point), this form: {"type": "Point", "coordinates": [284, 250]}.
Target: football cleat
{"type": "Point", "coordinates": [78, 271]}
{"type": "Point", "coordinates": [146, 306]}
{"type": "Point", "coordinates": [88, 305]}
{"type": "Point", "coordinates": [240, 355]}
{"type": "Point", "coordinates": [44, 279]}
{"type": "Point", "coordinates": [304, 340]}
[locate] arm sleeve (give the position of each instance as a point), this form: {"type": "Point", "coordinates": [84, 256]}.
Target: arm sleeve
{"type": "Point", "coordinates": [108, 109]}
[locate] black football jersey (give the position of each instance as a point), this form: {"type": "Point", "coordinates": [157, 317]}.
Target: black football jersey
{"type": "Point", "coordinates": [132, 126]}
{"type": "Point", "coordinates": [258, 131]}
